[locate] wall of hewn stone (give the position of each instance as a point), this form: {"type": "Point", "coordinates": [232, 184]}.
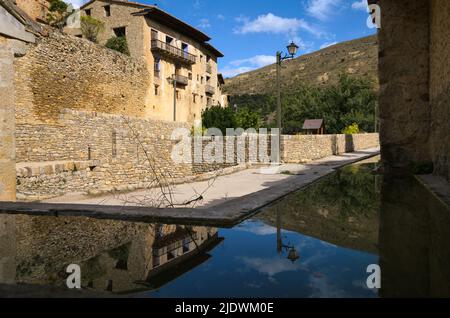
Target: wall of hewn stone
{"type": "Point", "coordinates": [96, 153]}
{"type": "Point", "coordinates": [111, 151]}
{"type": "Point", "coordinates": [440, 86]}
{"type": "Point", "coordinates": [61, 72]}
{"type": "Point", "coordinates": [304, 148]}
{"type": "Point", "coordinates": [404, 84]}
{"type": "Point", "coordinates": [7, 145]}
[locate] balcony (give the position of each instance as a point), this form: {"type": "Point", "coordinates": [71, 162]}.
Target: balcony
{"type": "Point", "coordinates": [208, 68]}
{"type": "Point", "coordinates": [181, 80]}
{"type": "Point", "coordinates": [173, 52]}
{"type": "Point", "coordinates": [210, 89]}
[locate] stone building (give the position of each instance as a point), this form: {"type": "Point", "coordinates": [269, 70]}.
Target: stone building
{"type": "Point", "coordinates": [172, 50]}
{"type": "Point", "coordinates": [36, 9]}
{"type": "Point", "coordinates": [414, 71]}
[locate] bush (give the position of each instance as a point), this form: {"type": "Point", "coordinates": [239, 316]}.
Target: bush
{"type": "Point", "coordinates": [91, 27]}
{"type": "Point", "coordinates": [351, 130]}
{"type": "Point", "coordinates": [223, 118]}
{"type": "Point", "coordinates": [118, 44]}
{"type": "Point", "coordinates": [58, 11]}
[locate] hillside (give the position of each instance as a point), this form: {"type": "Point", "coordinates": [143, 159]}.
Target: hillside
{"type": "Point", "coordinates": [322, 68]}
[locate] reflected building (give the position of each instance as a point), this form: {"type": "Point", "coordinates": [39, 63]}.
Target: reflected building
{"type": "Point", "coordinates": [114, 256]}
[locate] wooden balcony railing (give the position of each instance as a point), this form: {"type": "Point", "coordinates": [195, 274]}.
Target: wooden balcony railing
{"type": "Point", "coordinates": [210, 89]}
{"type": "Point", "coordinates": [182, 80]}
{"type": "Point", "coordinates": [173, 51]}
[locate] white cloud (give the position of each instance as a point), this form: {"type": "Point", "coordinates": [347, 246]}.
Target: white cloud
{"type": "Point", "coordinates": [325, 45]}
{"type": "Point", "coordinates": [258, 228]}
{"type": "Point", "coordinates": [270, 23]}
{"type": "Point", "coordinates": [323, 9]}
{"type": "Point", "coordinates": [76, 3]}
{"type": "Point", "coordinates": [228, 72]}
{"type": "Point", "coordinates": [360, 5]}
{"type": "Point", "coordinates": [221, 17]}
{"type": "Point", "coordinates": [237, 67]}
{"type": "Point", "coordinates": [257, 61]}
{"type": "Point", "coordinates": [271, 266]}
{"type": "Point", "coordinates": [204, 24]}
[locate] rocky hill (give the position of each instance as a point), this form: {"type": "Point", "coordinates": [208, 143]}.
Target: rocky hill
{"type": "Point", "coordinates": [358, 57]}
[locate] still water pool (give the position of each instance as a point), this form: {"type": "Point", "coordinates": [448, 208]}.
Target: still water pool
{"type": "Point", "coordinates": [315, 243]}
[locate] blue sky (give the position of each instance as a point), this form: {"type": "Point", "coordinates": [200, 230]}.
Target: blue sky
{"type": "Point", "coordinates": [249, 32]}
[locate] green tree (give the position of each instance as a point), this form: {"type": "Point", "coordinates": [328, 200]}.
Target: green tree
{"type": "Point", "coordinates": [219, 117]}
{"type": "Point", "coordinates": [91, 27]}
{"type": "Point", "coordinates": [58, 12]}
{"type": "Point", "coordinates": [118, 44]}
{"type": "Point", "coordinates": [246, 119]}
{"type": "Point", "coordinates": [350, 100]}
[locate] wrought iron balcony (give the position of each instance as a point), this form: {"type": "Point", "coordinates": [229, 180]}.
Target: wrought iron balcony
{"type": "Point", "coordinates": [210, 89]}
{"type": "Point", "coordinates": [173, 52]}
{"type": "Point", "coordinates": [181, 80]}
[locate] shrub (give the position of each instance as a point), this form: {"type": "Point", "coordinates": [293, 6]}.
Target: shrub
{"type": "Point", "coordinates": [118, 44]}
{"type": "Point", "coordinates": [351, 130]}
{"type": "Point", "coordinates": [91, 27]}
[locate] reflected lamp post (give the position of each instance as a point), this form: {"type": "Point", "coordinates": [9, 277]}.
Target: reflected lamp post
{"type": "Point", "coordinates": [290, 249]}
{"type": "Point", "coordinates": [292, 51]}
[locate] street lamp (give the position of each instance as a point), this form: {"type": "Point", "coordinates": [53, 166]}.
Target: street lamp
{"type": "Point", "coordinates": [292, 51]}
{"type": "Point", "coordinates": [293, 254]}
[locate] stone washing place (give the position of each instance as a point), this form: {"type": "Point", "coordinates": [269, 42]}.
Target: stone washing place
{"type": "Point", "coordinates": [143, 158]}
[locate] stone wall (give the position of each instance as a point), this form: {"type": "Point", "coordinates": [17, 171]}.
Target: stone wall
{"type": "Point", "coordinates": [87, 150]}
{"type": "Point", "coordinates": [96, 153]}
{"type": "Point", "coordinates": [414, 70]}
{"type": "Point", "coordinates": [61, 72]}
{"type": "Point", "coordinates": [304, 148]}
{"type": "Point", "coordinates": [404, 84]}
{"type": "Point", "coordinates": [440, 86]}
{"type": "Point", "coordinates": [7, 145]}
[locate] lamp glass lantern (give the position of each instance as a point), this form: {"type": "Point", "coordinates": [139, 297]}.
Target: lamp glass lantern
{"type": "Point", "coordinates": [292, 48]}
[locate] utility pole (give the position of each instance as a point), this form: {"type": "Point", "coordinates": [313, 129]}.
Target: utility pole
{"type": "Point", "coordinates": [279, 121]}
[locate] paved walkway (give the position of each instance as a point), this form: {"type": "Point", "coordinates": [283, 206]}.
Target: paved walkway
{"type": "Point", "coordinates": [227, 200]}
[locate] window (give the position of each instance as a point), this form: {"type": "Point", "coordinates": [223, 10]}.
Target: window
{"type": "Point", "coordinates": [201, 58]}
{"type": "Point", "coordinates": [156, 90]}
{"type": "Point", "coordinates": [107, 11]}
{"type": "Point", "coordinates": [198, 78]}
{"type": "Point", "coordinates": [185, 47]}
{"type": "Point", "coordinates": [208, 79]}
{"type": "Point", "coordinates": [120, 32]}
{"type": "Point", "coordinates": [88, 12]}
{"type": "Point", "coordinates": [190, 76]}
{"type": "Point", "coordinates": [157, 67]}
{"type": "Point", "coordinates": [194, 98]}
{"type": "Point", "coordinates": [178, 95]}
{"type": "Point", "coordinates": [201, 80]}
{"type": "Point", "coordinates": [169, 40]}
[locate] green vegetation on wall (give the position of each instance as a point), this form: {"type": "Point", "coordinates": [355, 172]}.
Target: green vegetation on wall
{"type": "Point", "coordinates": [91, 27]}
{"type": "Point", "coordinates": [118, 44]}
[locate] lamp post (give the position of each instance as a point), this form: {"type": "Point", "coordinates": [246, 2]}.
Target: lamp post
{"type": "Point", "coordinates": [174, 80]}
{"type": "Point", "coordinates": [292, 51]}
{"type": "Point", "coordinates": [293, 254]}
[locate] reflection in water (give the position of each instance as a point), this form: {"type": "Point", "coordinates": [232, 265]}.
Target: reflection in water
{"type": "Point", "coordinates": [314, 243]}
{"type": "Point", "coordinates": [114, 256]}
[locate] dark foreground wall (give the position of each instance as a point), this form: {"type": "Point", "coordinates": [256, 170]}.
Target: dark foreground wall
{"type": "Point", "coordinates": [414, 70]}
